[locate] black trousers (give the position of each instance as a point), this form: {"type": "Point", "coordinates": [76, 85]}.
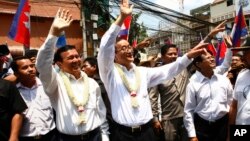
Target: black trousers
{"type": "Point", "coordinates": [141, 133]}
{"type": "Point", "coordinates": [211, 131]}
{"type": "Point", "coordinates": [94, 135]}
{"type": "Point", "coordinates": [50, 136]}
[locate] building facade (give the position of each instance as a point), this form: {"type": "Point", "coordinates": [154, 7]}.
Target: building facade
{"type": "Point", "coordinates": [41, 17]}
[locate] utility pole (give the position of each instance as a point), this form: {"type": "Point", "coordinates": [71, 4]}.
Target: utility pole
{"type": "Point", "coordinates": [181, 6]}
{"type": "Point", "coordinates": [85, 54]}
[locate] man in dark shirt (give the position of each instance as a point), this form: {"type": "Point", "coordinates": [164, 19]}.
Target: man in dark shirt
{"type": "Point", "coordinates": [11, 108]}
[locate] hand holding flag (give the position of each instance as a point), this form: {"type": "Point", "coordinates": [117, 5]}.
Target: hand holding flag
{"type": "Point", "coordinates": [124, 32]}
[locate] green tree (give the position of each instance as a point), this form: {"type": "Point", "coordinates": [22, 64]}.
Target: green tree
{"type": "Point", "coordinates": [137, 31]}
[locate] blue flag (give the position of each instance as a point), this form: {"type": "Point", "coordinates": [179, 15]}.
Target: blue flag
{"type": "Point", "coordinates": [61, 41]}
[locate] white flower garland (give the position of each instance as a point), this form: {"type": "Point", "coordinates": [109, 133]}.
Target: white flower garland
{"type": "Point", "coordinates": [131, 89]}
{"type": "Point", "coordinates": [79, 104]}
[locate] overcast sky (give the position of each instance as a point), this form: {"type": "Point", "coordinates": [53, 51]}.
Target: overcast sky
{"type": "Point", "coordinates": [188, 4]}
{"type": "Point", "coordinates": [153, 22]}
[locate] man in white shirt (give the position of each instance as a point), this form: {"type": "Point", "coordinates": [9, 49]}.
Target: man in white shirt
{"type": "Point", "coordinates": [207, 103]}
{"type": "Point", "coordinates": [76, 98]}
{"type": "Point", "coordinates": [239, 110]}
{"type": "Point", "coordinates": [127, 84]}
{"type": "Point", "coordinates": [38, 123]}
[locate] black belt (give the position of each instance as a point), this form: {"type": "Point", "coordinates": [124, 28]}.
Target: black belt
{"type": "Point", "coordinates": [81, 136]}
{"type": "Point", "coordinates": [199, 119]}
{"type": "Point", "coordinates": [39, 137]}
{"type": "Point", "coordinates": [134, 129]}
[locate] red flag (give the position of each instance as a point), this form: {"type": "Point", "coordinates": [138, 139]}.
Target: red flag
{"type": "Point", "coordinates": [211, 48]}
{"type": "Point", "coordinates": [134, 44]}
{"type": "Point", "coordinates": [124, 32]}
{"type": "Point", "coordinates": [221, 51]}
{"type": "Point", "coordinates": [20, 28]}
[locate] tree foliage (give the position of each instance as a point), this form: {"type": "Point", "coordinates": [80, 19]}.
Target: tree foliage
{"type": "Point", "coordinates": [137, 31]}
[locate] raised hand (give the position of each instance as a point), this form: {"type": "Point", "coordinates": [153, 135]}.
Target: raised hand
{"type": "Point", "coordinates": [217, 29]}
{"type": "Point", "coordinates": [145, 43]}
{"type": "Point", "coordinates": [125, 9]}
{"type": "Point", "coordinates": [228, 41]}
{"type": "Point", "coordinates": [197, 50]}
{"type": "Point", "coordinates": [61, 21]}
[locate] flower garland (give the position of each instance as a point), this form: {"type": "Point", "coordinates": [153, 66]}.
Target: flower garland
{"type": "Point", "coordinates": [131, 89]}
{"type": "Point", "coordinates": [79, 104]}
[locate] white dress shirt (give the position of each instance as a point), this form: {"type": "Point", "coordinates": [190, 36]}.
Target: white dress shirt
{"type": "Point", "coordinates": [242, 96]}
{"type": "Point", "coordinates": [122, 111]}
{"type": "Point", "coordinates": [209, 98]}
{"type": "Point", "coordinates": [67, 114]}
{"type": "Point", "coordinates": [38, 118]}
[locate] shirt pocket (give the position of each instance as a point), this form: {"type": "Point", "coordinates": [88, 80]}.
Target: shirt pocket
{"type": "Point", "coordinates": [45, 103]}
{"type": "Point", "coordinates": [221, 95]}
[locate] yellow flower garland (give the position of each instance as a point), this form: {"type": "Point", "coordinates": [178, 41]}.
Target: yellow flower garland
{"type": "Point", "coordinates": [132, 89]}
{"type": "Point", "coordinates": [79, 104]}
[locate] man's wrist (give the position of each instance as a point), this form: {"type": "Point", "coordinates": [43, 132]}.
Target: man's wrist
{"type": "Point", "coordinates": [208, 39]}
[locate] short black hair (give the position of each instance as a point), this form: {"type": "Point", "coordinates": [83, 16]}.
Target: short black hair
{"type": "Point", "coordinates": [4, 50]}
{"type": "Point", "coordinates": [165, 48]}
{"type": "Point", "coordinates": [199, 58]}
{"type": "Point", "coordinates": [57, 56]}
{"type": "Point", "coordinates": [14, 65]}
{"type": "Point", "coordinates": [92, 61]}
{"type": "Point", "coordinates": [31, 53]}
{"type": "Point", "coordinates": [238, 55]}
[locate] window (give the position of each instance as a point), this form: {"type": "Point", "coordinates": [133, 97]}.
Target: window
{"type": "Point", "coordinates": [229, 2]}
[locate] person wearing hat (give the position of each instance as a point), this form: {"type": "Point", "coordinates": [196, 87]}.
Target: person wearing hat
{"type": "Point", "coordinates": [11, 107]}
{"type": "Point", "coordinates": [240, 107]}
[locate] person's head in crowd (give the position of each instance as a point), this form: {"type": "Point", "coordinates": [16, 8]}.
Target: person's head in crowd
{"type": "Point", "coordinates": [169, 53]}
{"type": "Point", "coordinates": [245, 49]}
{"type": "Point", "coordinates": [234, 71]}
{"type": "Point", "coordinates": [24, 70]}
{"type": "Point", "coordinates": [236, 60]}
{"type": "Point", "coordinates": [137, 57]}
{"type": "Point", "coordinates": [205, 64]}
{"type": "Point", "coordinates": [90, 66]}
{"type": "Point", "coordinates": [124, 53]}
{"type": "Point", "coordinates": [4, 51]}
{"type": "Point", "coordinates": [3, 58]}
{"type": "Point", "coordinates": [31, 54]}
{"type": "Point", "coordinates": [68, 60]}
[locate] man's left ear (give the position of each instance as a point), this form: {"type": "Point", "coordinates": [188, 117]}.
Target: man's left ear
{"type": "Point", "coordinates": [59, 64]}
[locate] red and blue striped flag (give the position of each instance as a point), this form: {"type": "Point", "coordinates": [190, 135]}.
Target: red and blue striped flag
{"type": "Point", "coordinates": [124, 32]}
{"type": "Point", "coordinates": [239, 28]}
{"type": "Point", "coordinates": [221, 51]}
{"type": "Point", "coordinates": [20, 28]}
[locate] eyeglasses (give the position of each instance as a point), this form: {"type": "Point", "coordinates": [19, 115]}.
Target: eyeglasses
{"type": "Point", "coordinates": [125, 48]}
{"type": "Point", "coordinates": [246, 91]}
